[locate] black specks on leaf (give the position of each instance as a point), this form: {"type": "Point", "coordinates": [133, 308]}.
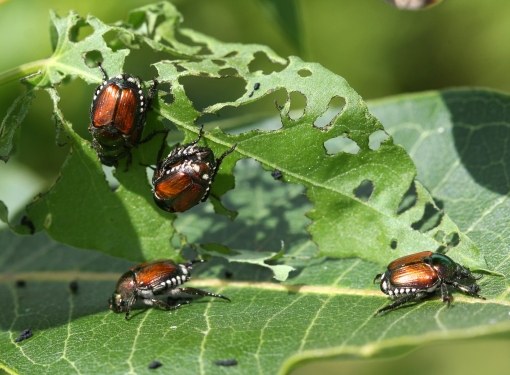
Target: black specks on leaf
{"type": "Point", "coordinates": [226, 362]}
{"type": "Point", "coordinates": [21, 283]}
{"type": "Point", "coordinates": [24, 335]}
{"type": "Point", "coordinates": [73, 286]}
{"type": "Point", "coordinates": [154, 365]}
{"type": "Point", "coordinates": [277, 174]}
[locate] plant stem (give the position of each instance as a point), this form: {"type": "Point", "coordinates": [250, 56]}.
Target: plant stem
{"type": "Point", "coordinates": [22, 71]}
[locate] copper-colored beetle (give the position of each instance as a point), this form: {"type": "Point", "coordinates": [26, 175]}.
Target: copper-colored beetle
{"type": "Point", "coordinates": [184, 177]}
{"type": "Point", "coordinates": [416, 276]}
{"type": "Point", "coordinates": [117, 116]}
{"type": "Point", "coordinates": [149, 282]}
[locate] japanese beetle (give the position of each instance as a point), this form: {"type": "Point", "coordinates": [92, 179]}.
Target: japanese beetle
{"type": "Point", "coordinates": [148, 282]}
{"type": "Point", "coordinates": [416, 276]}
{"type": "Point", "coordinates": [184, 177]}
{"type": "Point", "coordinates": [117, 116]}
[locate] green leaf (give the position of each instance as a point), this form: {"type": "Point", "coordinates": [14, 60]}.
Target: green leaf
{"type": "Point", "coordinates": [11, 123]}
{"type": "Point", "coordinates": [458, 139]}
{"type": "Point", "coordinates": [83, 196]}
{"type": "Point", "coordinates": [334, 156]}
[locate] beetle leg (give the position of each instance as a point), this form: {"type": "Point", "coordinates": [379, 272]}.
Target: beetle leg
{"type": "Point", "coordinates": [165, 305]}
{"type": "Point", "coordinates": [400, 301]}
{"type": "Point", "coordinates": [201, 293]}
{"type": "Point", "coordinates": [152, 93]}
{"type": "Point", "coordinates": [150, 136]}
{"type": "Point", "coordinates": [216, 168]}
{"type": "Point", "coordinates": [471, 290]}
{"type": "Point", "coordinates": [445, 294]}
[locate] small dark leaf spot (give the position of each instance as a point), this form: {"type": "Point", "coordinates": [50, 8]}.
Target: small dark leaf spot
{"type": "Point", "coordinates": [376, 139]}
{"type": "Point", "coordinates": [21, 283]}
{"type": "Point", "coordinates": [277, 174]}
{"type": "Point", "coordinates": [304, 73]}
{"type": "Point", "coordinates": [393, 244]}
{"type": "Point", "coordinates": [262, 63]}
{"type": "Point", "coordinates": [73, 286]}
{"type": "Point", "coordinates": [364, 190]}
{"type": "Point", "coordinates": [226, 362]}
{"type": "Point", "coordinates": [154, 365]}
{"type": "Point", "coordinates": [297, 105]}
{"type": "Point", "coordinates": [341, 144]}
{"type": "Point", "coordinates": [334, 110]}
{"type": "Point", "coordinates": [256, 86]}
{"type": "Point", "coordinates": [93, 58]}
{"type": "Point", "coordinates": [24, 335]}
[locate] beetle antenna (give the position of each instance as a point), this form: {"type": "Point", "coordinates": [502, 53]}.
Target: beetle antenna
{"type": "Point", "coordinates": [100, 66]}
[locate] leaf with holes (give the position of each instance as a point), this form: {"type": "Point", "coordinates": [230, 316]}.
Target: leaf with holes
{"type": "Point", "coordinates": [365, 202]}
{"type": "Point", "coordinates": [325, 308]}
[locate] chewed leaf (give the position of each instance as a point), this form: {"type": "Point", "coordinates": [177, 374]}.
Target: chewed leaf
{"type": "Point", "coordinates": [355, 177]}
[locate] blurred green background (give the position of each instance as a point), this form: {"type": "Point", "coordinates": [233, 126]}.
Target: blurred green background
{"type": "Point", "coordinates": [380, 50]}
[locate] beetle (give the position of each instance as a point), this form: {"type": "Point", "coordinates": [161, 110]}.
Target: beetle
{"type": "Point", "coordinates": [184, 177]}
{"type": "Point", "coordinates": [117, 116]}
{"type": "Point", "coordinates": [417, 276]}
{"type": "Point", "coordinates": [149, 282]}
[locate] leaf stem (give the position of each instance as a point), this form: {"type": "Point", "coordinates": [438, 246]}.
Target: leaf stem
{"type": "Point", "coordinates": [22, 71]}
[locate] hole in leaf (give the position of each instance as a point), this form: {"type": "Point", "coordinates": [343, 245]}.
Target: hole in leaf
{"type": "Point", "coordinates": [393, 244]}
{"type": "Point", "coordinates": [204, 50]}
{"type": "Point", "coordinates": [230, 54]}
{"type": "Point", "coordinates": [93, 58]}
{"type": "Point", "coordinates": [206, 91]}
{"type": "Point", "coordinates": [218, 62]}
{"type": "Point", "coordinates": [179, 68]}
{"type": "Point", "coordinates": [80, 31]}
{"type": "Point", "coordinates": [453, 239]}
{"type": "Point", "coordinates": [185, 39]}
{"type": "Point", "coordinates": [245, 121]}
{"type": "Point", "coordinates": [431, 218]}
{"type": "Point", "coordinates": [113, 40]}
{"type": "Point", "coordinates": [341, 144]}
{"type": "Point", "coordinates": [297, 105]}
{"type": "Point", "coordinates": [376, 139]}
{"type": "Point", "coordinates": [439, 236]}
{"type": "Point", "coordinates": [364, 190]}
{"type": "Point", "coordinates": [304, 73]}
{"type": "Point", "coordinates": [408, 200]}
{"type": "Point", "coordinates": [165, 92]}
{"type": "Point", "coordinates": [228, 72]}
{"type": "Point", "coordinates": [335, 107]}
{"type": "Point", "coordinates": [262, 63]}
